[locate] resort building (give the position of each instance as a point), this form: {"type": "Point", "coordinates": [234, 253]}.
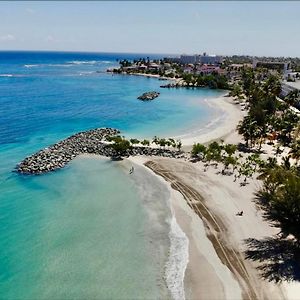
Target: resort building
{"type": "Point", "coordinates": [197, 59]}
{"type": "Point", "coordinates": [154, 67]}
{"type": "Point", "coordinates": [209, 59]}
{"type": "Point", "coordinates": [281, 67]}
{"type": "Point", "coordinates": [188, 59]}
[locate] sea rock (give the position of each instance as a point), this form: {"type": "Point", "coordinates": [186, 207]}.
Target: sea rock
{"type": "Point", "coordinates": [148, 96]}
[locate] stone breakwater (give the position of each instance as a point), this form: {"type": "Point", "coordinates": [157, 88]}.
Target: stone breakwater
{"type": "Point", "coordinates": [59, 154]}
{"type": "Point", "coordinates": [92, 142]}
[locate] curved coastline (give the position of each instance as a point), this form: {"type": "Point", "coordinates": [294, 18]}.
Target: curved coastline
{"type": "Point", "coordinates": [224, 123]}
{"type": "Point", "coordinates": [179, 238]}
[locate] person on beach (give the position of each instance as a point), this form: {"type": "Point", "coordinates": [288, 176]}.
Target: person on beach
{"type": "Point", "coordinates": [131, 170]}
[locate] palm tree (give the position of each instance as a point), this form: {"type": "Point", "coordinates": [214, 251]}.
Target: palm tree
{"type": "Point", "coordinates": [293, 98]}
{"type": "Point", "coordinates": [236, 91]}
{"type": "Point", "coordinates": [267, 168]}
{"type": "Point", "coordinates": [286, 162]}
{"type": "Point", "coordinates": [179, 145]}
{"type": "Point", "coordinates": [295, 151]}
{"type": "Point", "coordinates": [272, 85]}
{"type": "Point", "coordinates": [162, 143]}
{"type": "Point", "coordinates": [249, 129]}
{"type": "Point", "coordinates": [145, 143]}
{"type": "Point", "coordinates": [155, 140]}
{"type": "Point", "coordinates": [280, 200]}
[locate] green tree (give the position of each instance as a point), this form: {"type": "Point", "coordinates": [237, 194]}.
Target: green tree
{"type": "Point", "coordinates": [295, 151]}
{"type": "Point", "coordinates": [198, 149]}
{"type": "Point", "coordinates": [145, 143]}
{"type": "Point", "coordinates": [134, 141]}
{"type": "Point", "coordinates": [280, 200]}
{"type": "Point", "coordinates": [178, 145]}
{"type": "Point", "coordinates": [120, 146]}
{"type": "Point", "coordinates": [293, 98]}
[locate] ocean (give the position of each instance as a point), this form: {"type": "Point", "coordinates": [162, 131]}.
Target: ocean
{"type": "Point", "coordinates": [88, 231]}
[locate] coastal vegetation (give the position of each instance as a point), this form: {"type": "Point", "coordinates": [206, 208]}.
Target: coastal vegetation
{"type": "Point", "coordinates": [227, 154]}
{"type": "Point", "coordinates": [270, 122]}
{"type": "Point", "coordinates": [213, 81]}
{"type": "Point", "coordinates": [120, 145]}
{"type": "Point", "coordinates": [270, 119]}
{"type": "Point", "coordinates": [164, 69]}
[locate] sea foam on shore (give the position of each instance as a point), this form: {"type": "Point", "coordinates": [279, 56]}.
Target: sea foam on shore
{"type": "Point", "coordinates": [168, 241]}
{"type": "Point", "coordinates": [178, 260]}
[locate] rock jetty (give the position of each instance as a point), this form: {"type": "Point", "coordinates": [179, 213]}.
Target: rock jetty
{"type": "Point", "coordinates": [58, 155]}
{"type": "Point", "coordinates": [148, 96]}
{"type": "Point", "coordinates": [91, 141]}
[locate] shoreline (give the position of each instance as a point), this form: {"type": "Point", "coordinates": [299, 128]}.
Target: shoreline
{"type": "Point", "coordinates": [215, 266]}
{"type": "Point", "coordinates": [153, 76]}
{"type": "Point", "coordinates": [205, 207]}
{"type": "Point", "coordinates": [223, 127]}
{"type": "Point", "coordinates": [204, 210]}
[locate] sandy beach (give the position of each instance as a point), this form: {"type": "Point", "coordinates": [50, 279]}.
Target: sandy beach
{"type": "Point", "coordinates": [227, 116]}
{"type": "Point", "coordinates": [205, 204]}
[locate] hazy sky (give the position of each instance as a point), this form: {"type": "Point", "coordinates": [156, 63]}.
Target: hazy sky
{"type": "Point", "coordinates": [255, 28]}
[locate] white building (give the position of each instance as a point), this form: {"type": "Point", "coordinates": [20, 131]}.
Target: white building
{"type": "Point", "coordinates": [209, 59]}
{"type": "Point", "coordinates": [188, 59]}
{"type": "Point", "coordinates": [200, 59]}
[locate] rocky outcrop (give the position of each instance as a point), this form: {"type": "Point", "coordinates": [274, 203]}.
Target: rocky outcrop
{"type": "Point", "coordinates": [149, 96]}
{"type": "Point", "coordinates": [177, 84]}
{"type": "Point", "coordinates": [92, 141]}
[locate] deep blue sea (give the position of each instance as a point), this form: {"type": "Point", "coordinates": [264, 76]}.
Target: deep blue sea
{"type": "Point", "coordinates": [81, 232]}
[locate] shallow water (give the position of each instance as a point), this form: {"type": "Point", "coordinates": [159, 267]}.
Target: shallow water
{"type": "Point", "coordinates": [84, 231]}
{"type": "Point", "coordinates": [76, 234]}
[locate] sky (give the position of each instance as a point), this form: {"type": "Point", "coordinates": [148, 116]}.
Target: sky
{"type": "Point", "coordinates": [269, 28]}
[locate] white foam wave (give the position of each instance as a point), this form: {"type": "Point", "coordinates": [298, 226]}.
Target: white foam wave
{"type": "Point", "coordinates": [177, 262]}
{"type": "Point", "coordinates": [82, 62]}
{"type": "Point", "coordinates": [86, 73]}
{"type": "Point", "coordinates": [30, 66]}
{"type": "Point", "coordinates": [47, 65]}
{"type": "Point", "coordinates": [57, 65]}
{"type": "Point", "coordinates": [6, 75]}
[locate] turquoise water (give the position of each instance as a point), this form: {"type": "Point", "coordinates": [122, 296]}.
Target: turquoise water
{"type": "Point", "coordinates": [82, 232]}
{"type": "Point", "coordinates": [76, 235]}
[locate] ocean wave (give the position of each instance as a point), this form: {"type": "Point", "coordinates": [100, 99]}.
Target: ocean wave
{"type": "Point", "coordinates": [177, 262]}
{"type": "Point", "coordinates": [30, 66]}
{"type": "Point", "coordinates": [6, 75]}
{"type": "Point", "coordinates": [47, 65]}
{"type": "Point", "coordinates": [86, 73]}
{"type": "Point", "coordinates": [11, 75]}
{"type": "Point", "coordinates": [82, 62]}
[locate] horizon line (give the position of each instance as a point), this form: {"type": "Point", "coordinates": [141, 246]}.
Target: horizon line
{"type": "Point", "coordinates": [150, 53]}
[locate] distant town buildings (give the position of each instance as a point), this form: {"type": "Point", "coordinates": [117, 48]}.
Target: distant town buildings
{"type": "Point", "coordinates": [209, 59]}
{"type": "Point", "coordinates": [187, 59]}
{"type": "Point", "coordinates": [273, 65]}
{"type": "Point", "coordinates": [281, 67]}
{"type": "Point", "coordinates": [198, 59]}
